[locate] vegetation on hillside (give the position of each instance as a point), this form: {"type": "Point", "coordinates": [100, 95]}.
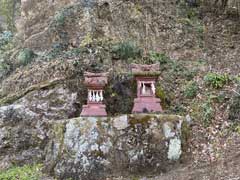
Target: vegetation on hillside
{"type": "Point", "coordinates": [193, 88]}
{"type": "Point", "coordinates": [8, 11]}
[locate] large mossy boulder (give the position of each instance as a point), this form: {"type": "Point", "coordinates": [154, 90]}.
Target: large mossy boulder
{"type": "Point", "coordinates": [97, 148]}
{"type": "Point", "coordinates": [31, 131]}
{"type": "Point", "coordinates": [24, 124]}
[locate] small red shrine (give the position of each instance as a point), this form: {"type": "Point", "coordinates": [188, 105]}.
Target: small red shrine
{"type": "Point", "coordinates": [146, 77]}
{"type": "Point", "coordinates": [95, 83]}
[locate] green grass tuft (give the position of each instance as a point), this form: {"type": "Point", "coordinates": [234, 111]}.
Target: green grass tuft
{"type": "Point", "coordinates": [126, 50]}
{"type": "Point", "coordinates": [22, 173]}
{"type": "Point", "coordinates": [216, 80]}
{"type": "Point", "coordinates": [190, 90]}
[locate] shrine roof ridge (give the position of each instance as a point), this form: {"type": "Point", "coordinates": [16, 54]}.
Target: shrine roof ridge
{"type": "Point", "coordinates": [91, 74]}
{"type": "Point", "coordinates": [145, 69]}
{"type": "Point", "coordinates": [96, 79]}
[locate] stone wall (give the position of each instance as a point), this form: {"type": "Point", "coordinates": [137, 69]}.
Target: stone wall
{"type": "Point", "coordinates": [90, 148]}
{"type": "Point", "coordinates": [97, 148]}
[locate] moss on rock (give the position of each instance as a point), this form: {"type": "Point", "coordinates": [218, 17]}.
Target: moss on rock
{"type": "Point", "coordinates": [136, 119]}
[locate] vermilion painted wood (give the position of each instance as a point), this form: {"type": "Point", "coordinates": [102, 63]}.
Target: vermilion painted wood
{"type": "Point", "coordinates": [94, 81]}
{"type": "Point", "coordinates": [146, 103]}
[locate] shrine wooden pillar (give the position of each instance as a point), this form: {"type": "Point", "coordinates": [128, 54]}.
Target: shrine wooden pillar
{"type": "Point", "coordinates": [146, 77]}
{"type": "Point", "coordinates": [95, 83]}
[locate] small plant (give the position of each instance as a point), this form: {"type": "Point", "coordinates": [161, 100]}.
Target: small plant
{"type": "Point", "coordinates": [59, 18]}
{"type": "Point", "coordinates": [216, 80]}
{"type": "Point", "coordinates": [235, 127]}
{"type": "Point", "coordinates": [126, 50]}
{"type": "Point", "coordinates": [190, 90]}
{"type": "Point", "coordinates": [234, 111]}
{"type": "Point", "coordinates": [25, 56]}
{"type": "Point", "coordinates": [191, 13]}
{"type": "Point", "coordinates": [189, 74]}
{"type": "Point", "coordinates": [178, 109]}
{"type": "Point", "coordinates": [22, 173]}
{"type": "Point", "coordinates": [5, 38]}
{"type": "Point", "coordinates": [87, 40]}
{"type": "Point", "coordinates": [207, 112]}
{"type": "Point", "coordinates": [4, 68]}
{"type": "Point", "coordinates": [160, 93]}
{"type": "Point", "coordinates": [162, 58]}
{"type": "Point", "coordinates": [199, 28]}
{"type": "Point", "coordinates": [64, 16]}
{"type": "Point", "coordinates": [237, 79]}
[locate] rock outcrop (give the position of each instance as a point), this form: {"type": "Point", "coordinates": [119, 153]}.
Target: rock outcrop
{"type": "Point", "coordinates": [22, 136]}
{"type": "Point", "coordinates": [97, 148]}
{"type": "Point", "coordinates": [90, 148]}
{"type": "Point", "coordinates": [23, 132]}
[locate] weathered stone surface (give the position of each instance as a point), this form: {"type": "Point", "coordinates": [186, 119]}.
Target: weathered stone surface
{"type": "Point", "coordinates": [97, 148]}
{"type": "Point", "coordinates": [120, 122]}
{"type": "Point", "coordinates": [88, 148]}
{"type": "Point", "coordinates": [22, 136]}
{"type": "Point", "coordinates": [54, 103]}
{"type": "Point", "coordinates": [23, 132]}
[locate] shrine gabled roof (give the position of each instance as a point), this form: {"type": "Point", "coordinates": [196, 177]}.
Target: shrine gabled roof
{"type": "Point", "coordinates": [145, 70]}
{"type": "Point", "coordinates": [95, 79]}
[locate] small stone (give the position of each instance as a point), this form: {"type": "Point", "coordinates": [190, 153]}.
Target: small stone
{"type": "Point", "coordinates": [188, 119]}
{"type": "Point", "coordinates": [120, 122]}
{"type": "Point", "coordinates": [167, 130]}
{"type": "Point", "coordinates": [174, 151]}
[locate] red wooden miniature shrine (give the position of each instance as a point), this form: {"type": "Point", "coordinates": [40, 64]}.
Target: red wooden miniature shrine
{"type": "Point", "coordinates": [146, 77]}
{"type": "Point", "coordinates": [95, 83]}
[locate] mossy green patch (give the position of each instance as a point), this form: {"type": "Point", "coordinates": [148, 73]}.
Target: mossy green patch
{"type": "Point", "coordinates": [26, 172]}
{"type": "Point", "coordinates": [169, 117]}
{"type": "Point", "coordinates": [160, 93]}
{"type": "Point", "coordinates": [185, 135]}
{"type": "Point", "coordinates": [147, 118]}
{"type": "Point", "coordinates": [144, 120]}
{"type": "Point", "coordinates": [59, 130]}
{"type": "Point", "coordinates": [162, 58]}
{"type": "Point", "coordinates": [25, 56]}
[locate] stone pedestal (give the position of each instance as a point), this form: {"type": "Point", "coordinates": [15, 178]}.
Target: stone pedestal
{"type": "Point", "coordinates": [146, 77]}
{"type": "Point", "coordinates": [94, 109]}
{"type": "Point", "coordinates": [147, 105]}
{"type": "Point", "coordinates": [95, 83]}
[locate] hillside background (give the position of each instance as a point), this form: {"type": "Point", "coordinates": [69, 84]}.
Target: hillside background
{"type": "Point", "coordinates": [45, 46]}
